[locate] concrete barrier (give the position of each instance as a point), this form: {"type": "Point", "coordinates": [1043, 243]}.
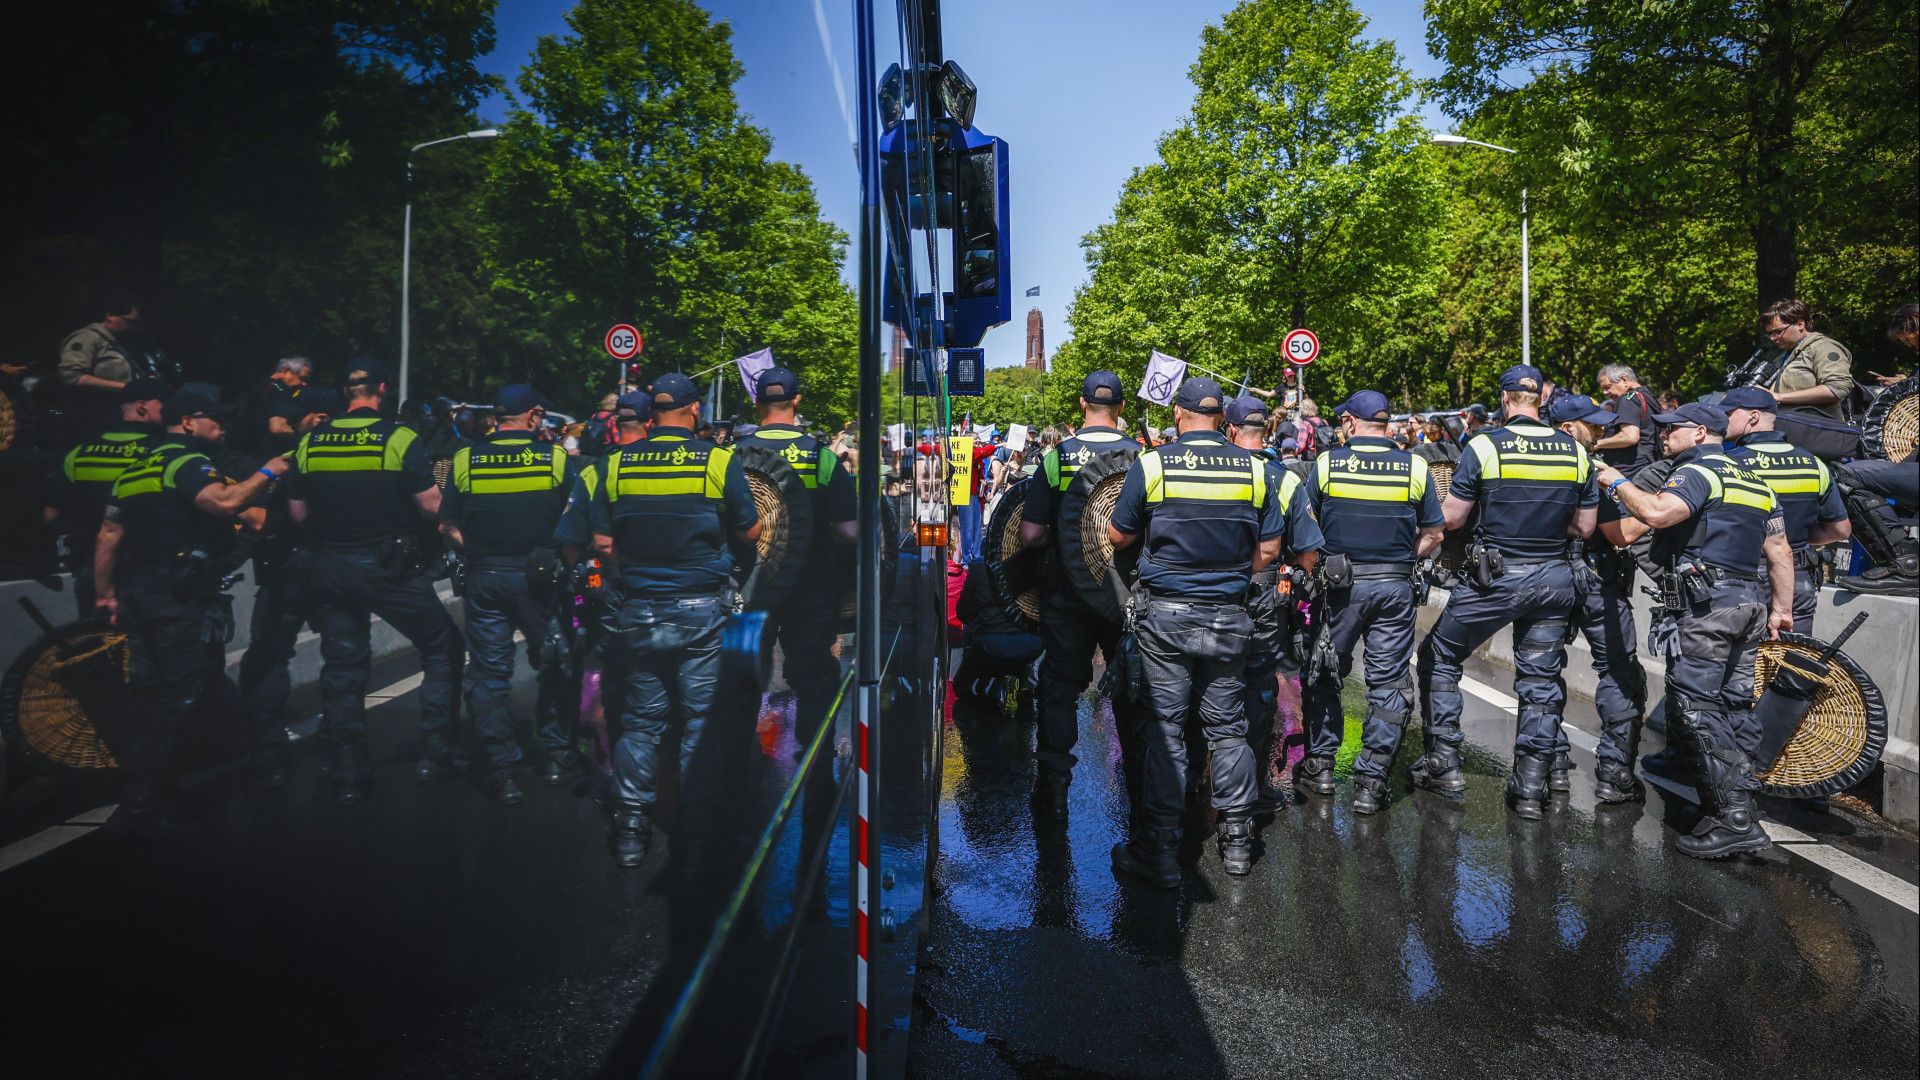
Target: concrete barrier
{"type": "Point", "coordinates": [1887, 648]}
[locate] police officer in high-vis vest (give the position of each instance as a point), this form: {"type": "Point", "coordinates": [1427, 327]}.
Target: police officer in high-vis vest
{"type": "Point", "coordinates": [1207, 521]}
{"type": "Point", "coordinates": [88, 471]}
{"type": "Point", "coordinates": [805, 620]}
{"type": "Point", "coordinates": [362, 488]}
{"type": "Point", "coordinates": [1715, 521]}
{"type": "Point", "coordinates": [1381, 515]}
{"type": "Point", "coordinates": [1603, 579]}
{"type": "Point", "coordinates": [1803, 483]}
{"type": "Point", "coordinates": [1534, 491]}
{"type": "Point", "coordinates": [1267, 600]}
{"type": "Point", "coordinates": [157, 573]}
{"type": "Point", "coordinates": [502, 499]}
{"type": "Point", "coordinates": [675, 521]}
{"type": "Point", "coordinates": [1070, 629]}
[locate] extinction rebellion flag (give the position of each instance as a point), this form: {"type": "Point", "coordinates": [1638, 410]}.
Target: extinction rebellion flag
{"type": "Point", "coordinates": [1164, 375]}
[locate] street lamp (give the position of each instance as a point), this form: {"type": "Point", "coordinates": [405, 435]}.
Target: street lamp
{"type": "Point", "coordinates": [406, 248]}
{"type": "Point", "coordinates": [1446, 138]}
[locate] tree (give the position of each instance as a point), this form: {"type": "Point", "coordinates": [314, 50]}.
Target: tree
{"type": "Point", "coordinates": [629, 189]}
{"type": "Point", "coordinates": [1297, 193]}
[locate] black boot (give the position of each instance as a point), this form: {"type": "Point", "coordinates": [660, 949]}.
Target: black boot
{"type": "Point", "coordinates": [632, 836]}
{"type": "Point", "coordinates": [1150, 859]}
{"type": "Point", "coordinates": [1617, 784]}
{"type": "Point", "coordinates": [504, 787]}
{"type": "Point", "coordinates": [1669, 761]}
{"type": "Point", "coordinates": [1900, 579]}
{"type": "Point", "coordinates": [560, 766]}
{"type": "Point", "coordinates": [1050, 796]}
{"type": "Point", "coordinates": [351, 777]}
{"type": "Point", "coordinates": [1734, 825]}
{"type": "Point", "coordinates": [1236, 845]}
{"type": "Point", "coordinates": [146, 814]}
{"type": "Point", "coordinates": [439, 763]}
{"type": "Point", "coordinates": [1314, 776]}
{"type": "Point", "coordinates": [1527, 785]}
{"type": "Point", "coordinates": [1370, 794]}
{"type": "Point", "coordinates": [1560, 775]}
{"type": "Point", "coordinates": [1438, 770]}
{"type": "Point", "coordinates": [270, 766]}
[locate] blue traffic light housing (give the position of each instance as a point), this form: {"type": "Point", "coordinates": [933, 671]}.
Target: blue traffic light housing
{"type": "Point", "coordinates": [968, 196]}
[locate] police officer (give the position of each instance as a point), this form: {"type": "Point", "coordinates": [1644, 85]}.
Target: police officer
{"type": "Point", "coordinates": [499, 507]}
{"type": "Point", "coordinates": [362, 489]}
{"type": "Point", "coordinates": [1268, 600]}
{"type": "Point", "coordinates": [162, 536]}
{"type": "Point", "coordinates": [805, 620]}
{"type": "Point", "coordinates": [1603, 580]}
{"type": "Point", "coordinates": [1210, 522]}
{"type": "Point", "coordinates": [1533, 488]}
{"type": "Point", "coordinates": [675, 520]}
{"type": "Point", "coordinates": [1071, 629]}
{"type": "Point", "coordinates": [88, 471]}
{"type": "Point", "coordinates": [1381, 515]}
{"type": "Point", "coordinates": [1803, 483]}
{"type": "Point", "coordinates": [1715, 521]}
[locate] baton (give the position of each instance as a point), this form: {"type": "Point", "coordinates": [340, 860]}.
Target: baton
{"type": "Point", "coordinates": [1790, 695]}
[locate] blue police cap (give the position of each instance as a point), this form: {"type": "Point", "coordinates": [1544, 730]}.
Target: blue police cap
{"type": "Point", "coordinates": [1566, 407]}
{"type": "Point", "coordinates": [1694, 412]}
{"type": "Point", "coordinates": [516, 398]}
{"type": "Point", "coordinates": [776, 384]}
{"type": "Point", "coordinates": [674, 391]}
{"type": "Point", "coordinates": [1246, 409]}
{"type": "Point", "coordinates": [1522, 378]}
{"type": "Point", "coordinates": [1748, 397]}
{"type": "Point", "coordinates": [1199, 395]}
{"type": "Point", "coordinates": [633, 405]}
{"type": "Point", "coordinates": [1102, 388]}
{"type": "Point", "coordinates": [1365, 405]}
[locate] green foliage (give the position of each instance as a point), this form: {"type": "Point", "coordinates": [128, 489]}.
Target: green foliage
{"type": "Point", "coordinates": [1014, 395]}
{"type": "Point", "coordinates": [629, 189]}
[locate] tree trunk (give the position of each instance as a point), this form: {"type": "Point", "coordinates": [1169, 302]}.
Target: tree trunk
{"type": "Point", "coordinates": [1772, 107]}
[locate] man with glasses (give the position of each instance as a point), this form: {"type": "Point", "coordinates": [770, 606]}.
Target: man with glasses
{"type": "Point", "coordinates": [1817, 374]}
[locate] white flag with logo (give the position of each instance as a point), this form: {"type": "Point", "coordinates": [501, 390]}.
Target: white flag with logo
{"type": "Point", "coordinates": [1016, 436]}
{"type": "Point", "coordinates": [751, 365]}
{"type": "Point", "coordinates": [1164, 375]}
{"type": "Point", "coordinates": [897, 436]}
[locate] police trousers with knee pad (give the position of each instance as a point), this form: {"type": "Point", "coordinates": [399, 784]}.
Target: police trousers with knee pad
{"type": "Point", "coordinates": [497, 603]}
{"type": "Point", "coordinates": [349, 587]}
{"type": "Point", "coordinates": [1194, 650]}
{"type": "Point", "coordinates": [1270, 647]}
{"type": "Point", "coordinates": [1379, 611]}
{"type": "Point", "coordinates": [176, 665]}
{"type": "Point", "coordinates": [282, 606]}
{"type": "Point", "coordinates": [1604, 616]}
{"type": "Point", "coordinates": [1072, 631]}
{"type": "Point", "coordinates": [1536, 598]}
{"type": "Point", "coordinates": [1710, 673]}
{"type": "Point", "coordinates": [670, 665]}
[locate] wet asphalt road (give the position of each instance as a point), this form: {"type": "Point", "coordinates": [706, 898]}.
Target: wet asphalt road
{"type": "Point", "coordinates": [424, 933]}
{"type": "Point", "coordinates": [1437, 940]}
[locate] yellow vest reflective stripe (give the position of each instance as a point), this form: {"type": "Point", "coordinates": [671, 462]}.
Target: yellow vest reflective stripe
{"type": "Point", "coordinates": [534, 468]}
{"type": "Point", "coordinates": [1733, 485]}
{"type": "Point", "coordinates": [368, 450]}
{"type": "Point", "coordinates": [1205, 485]}
{"type": "Point", "coordinates": [155, 472]}
{"type": "Point", "coordinates": [1392, 487]}
{"type": "Point", "coordinates": [686, 476]}
{"type": "Point", "coordinates": [814, 474]}
{"type": "Point", "coordinates": [1531, 459]}
{"type": "Point", "coordinates": [103, 459]}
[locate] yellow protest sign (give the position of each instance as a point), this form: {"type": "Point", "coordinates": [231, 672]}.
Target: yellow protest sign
{"type": "Point", "coordinates": [960, 469]}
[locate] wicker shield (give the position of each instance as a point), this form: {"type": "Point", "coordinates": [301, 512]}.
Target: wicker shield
{"type": "Point", "coordinates": [1844, 732]}
{"type": "Point", "coordinates": [1013, 567]}
{"type": "Point", "coordinates": [1086, 552]}
{"type": "Point", "coordinates": [1892, 427]}
{"type": "Point", "coordinates": [1441, 458]}
{"type": "Point", "coordinates": [786, 525]}
{"type": "Point", "coordinates": [39, 708]}
{"type": "Point", "coordinates": [9, 422]}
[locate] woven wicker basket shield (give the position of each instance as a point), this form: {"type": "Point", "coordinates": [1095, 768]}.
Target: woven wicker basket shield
{"type": "Point", "coordinates": [1892, 426]}
{"type": "Point", "coordinates": [39, 707]}
{"type": "Point", "coordinates": [786, 525]}
{"type": "Point", "coordinates": [1840, 740]}
{"type": "Point", "coordinates": [1013, 568]}
{"type": "Point", "coordinates": [9, 422]}
{"type": "Point", "coordinates": [1086, 552]}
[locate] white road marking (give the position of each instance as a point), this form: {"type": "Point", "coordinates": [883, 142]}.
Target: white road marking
{"type": "Point", "coordinates": [444, 590]}
{"type": "Point", "coordinates": [1786, 837]}
{"type": "Point", "coordinates": [51, 838]}
{"type": "Point", "coordinates": [387, 693]}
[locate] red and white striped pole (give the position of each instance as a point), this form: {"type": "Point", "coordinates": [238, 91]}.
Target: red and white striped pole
{"type": "Point", "coordinates": [862, 919]}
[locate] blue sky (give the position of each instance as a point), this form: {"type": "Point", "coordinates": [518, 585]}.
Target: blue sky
{"type": "Point", "coordinates": [1080, 89]}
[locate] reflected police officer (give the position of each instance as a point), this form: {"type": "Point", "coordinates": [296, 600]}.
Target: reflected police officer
{"type": "Point", "coordinates": [1207, 522]}
{"type": "Point", "coordinates": [1533, 488]}
{"type": "Point", "coordinates": [1069, 627]}
{"type": "Point", "coordinates": [502, 499]}
{"type": "Point", "coordinates": [1381, 515]}
{"type": "Point", "coordinates": [88, 471]}
{"type": "Point", "coordinates": [158, 575]}
{"type": "Point", "coordinates": [1267, 602]}
{"type": "Point", "coordinates": [1715, 521]}
{"type": "Point", "coordinates": [1804, 484]}
{"type": "Point", "coordinates": [362, 490]}
{"type": "Point", "coordinates": [674, 520]}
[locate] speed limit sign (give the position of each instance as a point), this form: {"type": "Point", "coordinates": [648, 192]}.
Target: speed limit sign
{"type": "Point", "coordinates": [1301, 346]}
{"type": "Point", "coordinates": [623, 342]}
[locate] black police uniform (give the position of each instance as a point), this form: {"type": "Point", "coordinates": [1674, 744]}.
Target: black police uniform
{"type": "Point", "coordinates": [1529, 481]}
{"type": "Point", "coordinates": [506, 495]}
{"type": "Point", "coordinates": [1721, 606]}
{"type": "Point", "coordinates": [357, 475]}
{"type": "Point", "coordinates": [1069, 628]}
{"type": "Point", "coordinates": [1267, 604]}
{"type": "Point", "coordinates": [671, 505]}
{"type": "Point", "coordinates": [1805, 487]}
{"type": "Point", "coordinates": [1204, 507]}
{"type": "Point", "coordinates": [86, 481]}
{"type": "Point", "coordinates": [171, 608]}
{"type": "Point", "coordinates": [1372, 499]}
{"type": "Point", "coordinates": [1603, 582]}
{"type": "Point", "coordinates": [805, 620]}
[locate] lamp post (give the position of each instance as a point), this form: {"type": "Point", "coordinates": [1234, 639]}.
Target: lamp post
{"type": "Point", "coordinates": [1445, 138]}
{"type": "Point", "coordinates": [406, 250]}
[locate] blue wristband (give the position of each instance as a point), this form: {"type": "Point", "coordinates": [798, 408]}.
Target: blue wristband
{"type": "Point", "coordinates": [268, 473]}
{"type": "Point", "coordinates": [1614, 487]}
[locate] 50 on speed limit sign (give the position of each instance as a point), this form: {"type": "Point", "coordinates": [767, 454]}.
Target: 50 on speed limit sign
{"type": "Point", "coordinates": [1302, 346]}
{"type": "Point", "coordinates": [623, 342]}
